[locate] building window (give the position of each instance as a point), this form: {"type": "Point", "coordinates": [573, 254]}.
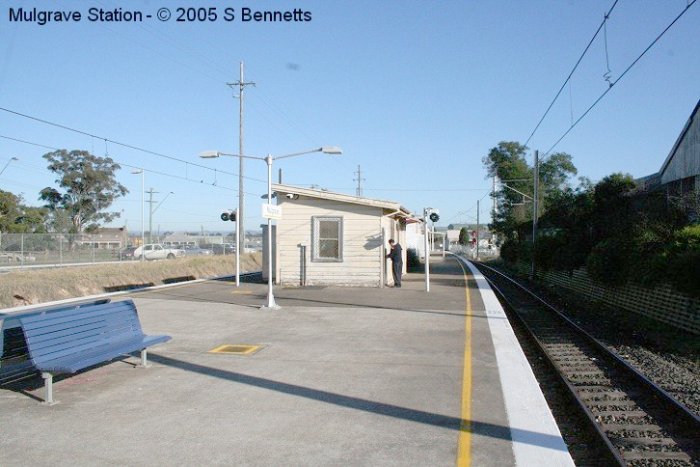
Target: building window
{"type": "Point", "coordinates": [327, 238]}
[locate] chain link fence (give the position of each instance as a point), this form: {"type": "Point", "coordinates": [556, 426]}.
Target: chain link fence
{"type": "Point", "coordinates": [36, 250]}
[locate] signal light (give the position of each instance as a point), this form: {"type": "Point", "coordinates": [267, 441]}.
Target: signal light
{"type": "Point", "coordinates": [228, 216]}
{"type": "Point", "coordinates": [434, 217]}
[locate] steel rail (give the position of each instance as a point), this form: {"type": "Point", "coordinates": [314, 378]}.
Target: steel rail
{"type": "Point", "coordinates": [687, 414]}
{"type": "Point", "coordinates": [598, 432]}
{"type": "Point", "coordinates": [681, 413]}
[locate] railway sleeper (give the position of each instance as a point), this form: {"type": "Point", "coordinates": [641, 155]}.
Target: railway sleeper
{"type": "Point", "coordinates": [619, 413]}
{"type": "Point", "coordinates": [641, 442]}
{"type": "Point", "coordinates": [657, 456]}
{"type": "Point", "coordinates": [621, 426]}
{"type": "Point", "coordinates": [598, 393]}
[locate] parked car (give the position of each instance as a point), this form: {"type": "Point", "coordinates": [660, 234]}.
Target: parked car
{"type": "Point", "coordinates": [223, 248]}
{"type": "Point", "coordinates": [126, 253]}
{"type": "Point", "coordinates": [157, 251]}
{"type": "Point", "coordinates": [191, 250]}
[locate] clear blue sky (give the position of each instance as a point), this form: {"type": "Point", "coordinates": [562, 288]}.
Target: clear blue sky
{"type": "Point", "coordinates": [415, 92]}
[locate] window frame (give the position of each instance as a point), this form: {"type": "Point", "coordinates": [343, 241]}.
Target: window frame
{"type": "Point", "coordinates": [315, 239]}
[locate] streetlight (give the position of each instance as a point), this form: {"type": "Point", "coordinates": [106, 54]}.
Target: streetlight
{"type": "Point", "coordinates": [143, 204]}
{"type": "Point", "coordinates": [332, 150]}
{"type": "Point", "coordinates": [8, 163]}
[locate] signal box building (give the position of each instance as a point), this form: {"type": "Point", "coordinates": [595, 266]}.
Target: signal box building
{"type": "Point", "coordinates": [326, 238]}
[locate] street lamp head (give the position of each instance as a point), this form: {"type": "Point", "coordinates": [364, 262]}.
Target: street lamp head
{"type": "Point", "coordinates": [137, 171]}
{"type": "Point", "coordinates": [13, 158]}
{"type": "Point", "coordinates": [209, 154]}
{"type": "Point", "coordinates": [332, 150]}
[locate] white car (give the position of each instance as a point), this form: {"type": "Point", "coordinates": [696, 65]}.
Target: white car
{"type": "Point", "coordinates": [157, 251]}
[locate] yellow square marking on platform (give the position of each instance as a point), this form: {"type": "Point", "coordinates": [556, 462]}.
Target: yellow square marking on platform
{"type": "Point", "coordinates": [237, 349]}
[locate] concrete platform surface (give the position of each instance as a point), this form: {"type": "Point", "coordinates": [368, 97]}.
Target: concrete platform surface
{"type": "Point", "coordinates": [344, 376]}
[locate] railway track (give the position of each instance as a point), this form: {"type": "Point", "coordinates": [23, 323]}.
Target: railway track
{"type": "Point", "coordinates": [638, 422]}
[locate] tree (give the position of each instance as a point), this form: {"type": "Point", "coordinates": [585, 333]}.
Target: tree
{"type": "Point", "coordinates": [567, 226]}
{"type": "Point", "coordinates": [89, 185]}
{"type": "Point", "coordinates": [507, 162]}
{"type": "Point", "coordinates": [463, 236]}
{"type": "Point", "coordinates": [9, 210]}
{"type": "Point", "coordinates": [16, 217]}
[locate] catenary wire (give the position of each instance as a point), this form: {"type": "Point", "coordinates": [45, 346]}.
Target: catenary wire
{"type": "Point", "coordinates": [613, 83]}
{"type": "Point", "coordinates": [126, 145]}
{"type": "Point", "coordinates": [578, 62]}
{"type": "Point", "coordinates": [155, 172]}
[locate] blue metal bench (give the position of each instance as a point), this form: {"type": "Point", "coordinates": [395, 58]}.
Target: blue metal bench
{"type": "Point", "coordinates": [14, 358]}
{"type": "Point", "coordinates": [68, 341]}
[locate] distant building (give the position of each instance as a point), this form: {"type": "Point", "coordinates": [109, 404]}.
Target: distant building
{"type": "Point", "coordinates": [106, 238]}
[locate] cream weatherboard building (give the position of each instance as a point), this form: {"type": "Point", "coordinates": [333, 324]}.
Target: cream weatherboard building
{"type": "Point", "coordinates": [326, 238]}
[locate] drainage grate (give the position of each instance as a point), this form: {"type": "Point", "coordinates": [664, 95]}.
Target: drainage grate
{"type": "Point", "coordinates": [236, 349]}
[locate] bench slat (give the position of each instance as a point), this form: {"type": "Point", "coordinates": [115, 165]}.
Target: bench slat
{"type": "Point", "coordinates": [38, 321]}
{"type": "Point", "coordinates": [99, 354]}
{"type": "Point", "coordinates": [77, 345]}
{"type": "Point", "coordinates": [97, 325]}
{"type": "Point", "coordinates": [42, 314]}
{"type": "Point", "coordinates": [80, 333]}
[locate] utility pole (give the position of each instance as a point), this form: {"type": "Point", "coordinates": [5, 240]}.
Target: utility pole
{"type": "Point", "coordinates": [494, 208]}
{"type": "Point", "coordinates": [535, 210]}
{"type": "Point", "coordinates": [427, 252]}
{"type": "Point", "coordinates": [477, 230]}
{"type": "Point", "coordinates": [359, 181]}
{"type": "Point", "coordinates": [240, 227]}
{"type": "Point", "coordinates": [150, 213]}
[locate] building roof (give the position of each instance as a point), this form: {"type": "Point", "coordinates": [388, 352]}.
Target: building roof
{"type": "Point", "coordinates": [110, 232]}
{"type": "Point", "coordinates": [653, 181]}
{"type": "Point", "coordinates": [396, 209]}
{"type": "Point", "coordinates": [664, 166]}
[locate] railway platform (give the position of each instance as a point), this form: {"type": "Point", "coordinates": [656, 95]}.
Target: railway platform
{"type": "Point", "coordinates": [340, 376]}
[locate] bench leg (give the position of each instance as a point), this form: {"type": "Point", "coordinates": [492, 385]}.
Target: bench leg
{"type": "Point", "coordinates": [144, 359]}
{"type": "Point", "coordinates": [48, 388]}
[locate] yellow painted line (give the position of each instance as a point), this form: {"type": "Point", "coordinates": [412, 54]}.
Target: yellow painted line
{"type": "Point", "coordinates": [465, 434]}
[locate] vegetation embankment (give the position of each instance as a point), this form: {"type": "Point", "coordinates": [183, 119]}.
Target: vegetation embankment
{"type": "Point", "coordinates": [617, 230]}
{"type": "Point", "coordinates": [33, 286]}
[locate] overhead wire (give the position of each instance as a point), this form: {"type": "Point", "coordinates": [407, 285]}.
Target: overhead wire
{"type": "Point", "coordinates": [131, 166]}
{"type": "Point", "coordinates": [150, 171]}
{"type": "Point", "coordinates": [126, 145]}
{"type": "Point", "coordinates": [573, 70]}
{"type": "Point", "coordinates": [622, 75]}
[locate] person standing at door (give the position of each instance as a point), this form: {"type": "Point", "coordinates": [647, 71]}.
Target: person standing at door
{"type": "Point", "coordinates": [396, 261]}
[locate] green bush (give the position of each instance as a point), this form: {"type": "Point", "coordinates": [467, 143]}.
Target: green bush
{"type": "Point", "coordinates": [650, 257]}
{"type": "Point", "coordinates": [548, 252]}
{"type": "Point", "coordinates": [608, 262]}
{"type": "Point", "coordinates": [510, 251]}
{"type": "Point", "coordinates": [513, 251]}
{"type": "Point", "coordinates": [684, 267]}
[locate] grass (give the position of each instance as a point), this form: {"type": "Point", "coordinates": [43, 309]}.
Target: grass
{"type": "Point", "coordinates": [33, 286]}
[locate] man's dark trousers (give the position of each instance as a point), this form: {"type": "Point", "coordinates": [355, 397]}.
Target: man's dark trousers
{"type": "Point", "coordinates": [396, 269]}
